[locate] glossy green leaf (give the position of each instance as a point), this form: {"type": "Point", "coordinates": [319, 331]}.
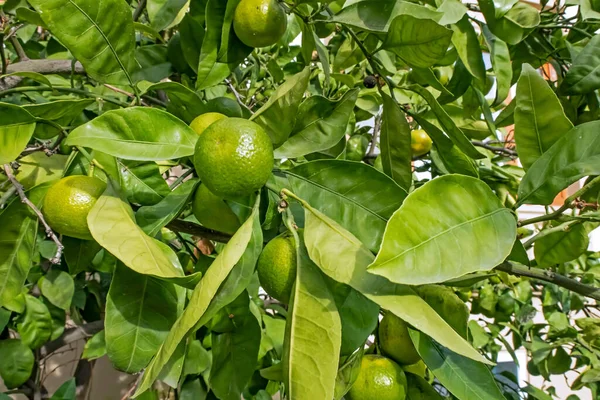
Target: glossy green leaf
{"type": "Point", "coordinates": [153, 218]}
{"type": "Point", "coordinates": [35, 326]}
{"type": "Point", "coordinates": [197, 358]}
{"type": "Point", "coordinates": [16, 128]}
{"type": "Point", "coordinates": [419, 42]}
{"type": "Point", "coordinates": [140, 310]}
{"type": "Point", "coordinates": [37, 168]}
{"type": "Point", "coordinates": [310, 368]}
{"type": "Point", "coordinates": [95, 347]}
{"type": "Point", "coordinates": [571, 158]}
{"type": "Point", "coordinates": [453, 11]}
{"type": "Point", "coordinates": [278, 115]}
{"type": "Point", "coordinates": [501, 63]}
{"type": "Point", "coordinates": [427, 249]}
{"type": "Point", "coordinates": [512, 21]}
{"type": "Point", "coordinates": [192, 32]}
{"type": "Point", "coordinates": [226, 278]}
{"type": "Point", "coordinates": [66, 391]}
{"type": "Point", "coordinates": [59, 109]}
{"type": "Point", "coordinates": [79, 254]}
{"type": "Point", "coordinates": [463, 377]}
{"type": "Point", "coordinates": [469, 50]}
{"type": "Point", "coordinates": [458, 85]}
{"type": "Point", "coordinates": [320, 125]}
{"type": "Point", "coordinates": [342, 257]}
{"type": "Point", "coordinates": [355, 195]}
{"type": "Point", "coordinates": [16, 362]}
{"type": "Point", "coordinates": [448, 125]}
{"type": "Point", "coordinates": [539, 117]}
{"type": "Point", "coordinates": [348, 373]}
{"type": "Point", "coordinates": [419, 389]}
{"type": "Point", "coordinates": [171, 373]}
{"type": "Point", "coordinates": [562, 246]}
{"type": "Point", "coordinates": [58, 287]}
{"type": "Point", "coordinates": [394, 144]}
{"type": "Point", "coordinates": [163, 12]}
{"type": "Point", "coordinates": [136, 133]}
{"type": "Point", "coordinates": [183, 102]}
{"type": "Point", "coordinates": [142, 182]}
{"type": "Point", "coordinates": [17, 240]}
{"type": "Point", "coordinates": [584, 75]}
{"type": "Point", "coordinates": [34, 76]}
{"type": "Point", "coordinates": [99, 34]}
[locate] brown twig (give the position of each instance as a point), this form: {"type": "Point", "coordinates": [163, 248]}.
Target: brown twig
{"type": "Point", "coordinates": [49, 232]}
{"type": "Point", "coordinates": [18, 48]}
{"type": "Point", "coordinates": [237, 96]}
{"type": "Point", "coordinates": [41, 67]}
{"type": "Point", "coordinates": [375, 138]}
{"type": "Point", "coordinates": [139, 10]}
{"type": "Point", "coordinates": [496, 149]}
{"type": "Point", "coordinates": [71, 335]}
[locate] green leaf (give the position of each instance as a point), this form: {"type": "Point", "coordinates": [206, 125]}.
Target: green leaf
{"type": "Point", "coordinates": [225, 280]}
{"type": "Point", "coordinates": [79, 254]}
{"type": "Point", "coordinates": [462, 228]}
{"type": "Point", "coordinates": [539, 117]}
{"type": "Point", "coordinates": [58, 287]}
{"type": "Point", "coordinates": [136, 133]}
{"type": "Point", "coordinates": [311, 368]}
{"type": "Point", "coordinates": [153, 218]}
{"type": "Point", "coordinates": [584, 74]}
{"type": "Point", "coordinates": [571, 158]}
{"type": "Point", "coordinates": [197, 359]}
{"type": "Point", "coordinates": [278, 115]}
{"type": "Point", "coordinates": [17, 239]}
{"type": "Point", "coordinates": [448, 125]}
{"type": "Point", "coordinates": [16, 128]}
{"type": "Point", "coordinates": [99, 34]}
{"type": "Point", "coordinates": [34, 76]}
{"type": "Point", "coordinates": [142, 182]}
{"type": "Point", "coordinates": [59, 109]}
{"type": "Point", "coordinates": [320, 125]}
{"type": "Point", "coordinates": [348, 373]}
{"type": "Point", "coordinates": [562, 246]}
{"type": "Point", "coordinates": [66, 391]}
{"type": "Point", "coordinates": [95, 347]}
{"type": "Point", "coordinates": [342, 257]}
{"type": "Point", "coordinates": [501, 64]}
{"type": "Point", "coordinates": [394, 143]}
{"type": "Point", "coordinates": [463, 377]}
{"type": "Point", "coordinates": [377, 15]}
{"type": "Point", "coordinates": [453, 11]}
{"type": "Point", "coordinates": [355, 195]}
{"type": "Point", "coordinates": [163, 12]}
{"type": "Point", "coordinates": [234, 359]}
{"type": "Point", "coordinates": [38, 168]}
{"type": "Point", "coordinates": [140, 310]}
{"type": "Point", "coordinates": [467, 45]}
{"type": "Point", "coordinates": [419, 42]}
{"type": "Point", "coordinates": [183, 102]}
{"type": "Point", "coordinates": [35, 327]}
{"type": "Point", "coordinates": [191, 30]}
{"type": "Point", "coordinates": [16, 362]}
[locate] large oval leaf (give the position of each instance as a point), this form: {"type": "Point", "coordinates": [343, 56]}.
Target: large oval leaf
{"type": "Point", "coordinates": [136, 133]}
{"type": "Point", "coordinates": [16, 127]}
{"type": "Point", "coordinates": [394, 142]}
{"type": "Point", "coordinates": [227, 277]}
{"type": "Point", "coordinates": [539, 117]}
{"type": "Point", "coordinates": [342, 257]}
{"type": "Point", "coordinates": [562, 246]}
{"type": "Point", "coordinates": [584, 76]}
{"type": "Point", "coordinates": [320, 125]}
{"type": "Point", "coordinates": [100, 35]}
{"type": "Point", "coordinates": [574, 156]}
{"type": "Point", "coordinates": [140, 310]}
{"type": "Point", "coordinates": [449, 227]}
{"type": "Point", "coordinates": [467, 45]}
{"type": "Point", "coordinates": [35, 327]}
{"type": "Point", "coordinates": [354, 194]}
{"type": "Point", "coordinates": [16, 362]}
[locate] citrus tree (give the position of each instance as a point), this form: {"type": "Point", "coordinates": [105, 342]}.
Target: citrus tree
{"type": "Point", "coordinates": [300, 199]}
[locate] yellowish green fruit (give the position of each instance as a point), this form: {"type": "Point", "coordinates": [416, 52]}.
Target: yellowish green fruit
{"type": "Point", "coordinates": [212, 211]}
{"type": "Point", "coordinates": [277, 268]}
{"type": "Point", "coordinates": [259, 23]}
{"type": "Point", "coordinates": [68, 203]}
{"type": "Point", "coordinates": [420, 142]}
{"type": "Point", "coordinates": [379, 379]}
{"type": "Point", "coordinates": [234, 157]}
{"type": "Point", "coordinates": [448, 305]}
{"type": "Point", "coordinates": [201, 122]}
{"type": "Point", "coordinates": [394, 340]}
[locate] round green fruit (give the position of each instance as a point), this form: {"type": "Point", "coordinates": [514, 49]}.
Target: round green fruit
{"type": "Point", "coordinates": [379, 379]}
{"type": "Point", "coordinates": [395, 342]}
{"type": "Point", "coordinates": [212, 211]}
{"type": "Point", "coordinates": [277, 268]}
{"type": "Point", "coordinates": [420, 142]}
{"type": "Point", "coordinates": [201, 122]}
{"type": "Point", "coordinates": [259, 23]}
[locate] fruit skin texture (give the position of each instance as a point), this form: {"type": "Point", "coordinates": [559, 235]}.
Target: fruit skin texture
{"type": "Point", "coordinates": [212, 212]}
{"type": "Point", "coordinates": [420, 142]}
{"type": "Point", "coordinates": [394, 340]}
{"type": "Point", "coordinates": [68, 203]}
{"type": "Point", "coordinates": [379, 379]}
{"type": "Point", "coordinates": [277, 268]}
{"type": "Point", "coordinates": [234, 157]}
{"type": "Point", "coordinates": [201, 122]}
{"type": "Point", "coordinates": [259, 23]}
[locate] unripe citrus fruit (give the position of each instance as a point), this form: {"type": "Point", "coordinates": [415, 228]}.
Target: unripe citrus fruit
{"type": "Point", "coordinates": [259, 23]}
{"type": "Point", "coordinates": [68, 203]}
{"type": "Point", "coordinates": [234, 157]}
{"type": "Point", "coordinates": [212, 212]}
{"type": "Point", "coordinates": [420, 142]}
{"type": "Point", "coordinates": [201, 122]}
{"type": "Point", "coordinates": [394, 340]}
{"type": "Point", "coordinates": [448, 305]}
{"type": "Point", "coordinates": [379, 379]}
{"type": "Point", "coordinates": [356, 148]}
{"type": "Point", "coordinates": [277, 268]}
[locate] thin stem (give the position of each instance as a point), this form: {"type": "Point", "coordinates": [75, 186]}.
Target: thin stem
{"type": "Point", "coordinates": [18, 48]}
{"type": "Point", "coordinates": [181, 178]}
{"type": "Point", "coordinates": [6, 196]}
{"type": "Point", "coordinates": [139, 10]}
{"type": "Point", "coordinates": [187, 247]}
{"type": "Point", "coordinates": [560, 228]}
{"type": "Point", "coordinates": [375, 138]}
{"type": "Point", "coordinates": [496, 149]}
{"type": "Point", "coordinates": [3, 55]}
{"type": "Point", "coordinates": [65, 90]}
{"type": "Point", "coordinates": [238, 97]}
{"type": "Point", "coordinates": [551, 277]}
{"type": "Point", "coordinates": [49, 232]}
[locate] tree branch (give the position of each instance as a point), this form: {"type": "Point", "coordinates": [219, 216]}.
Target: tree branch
{"type": "Point", "coordinates": [495, 149]}
{"type": "Point", "coordinates": [18, 48]}
{"type": "Point", "coordinates": [197, 230]}
{"type": "Point", "coordinates": [70, 336]}
{"type": "Point", "coordinates": [43, 67]}
{"type": "Point", "coordinates": [551, 277]}
{"type": "Point", "coordinates": [49, 232]}
{"type": "Point", "coordinates": [139, 10]}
